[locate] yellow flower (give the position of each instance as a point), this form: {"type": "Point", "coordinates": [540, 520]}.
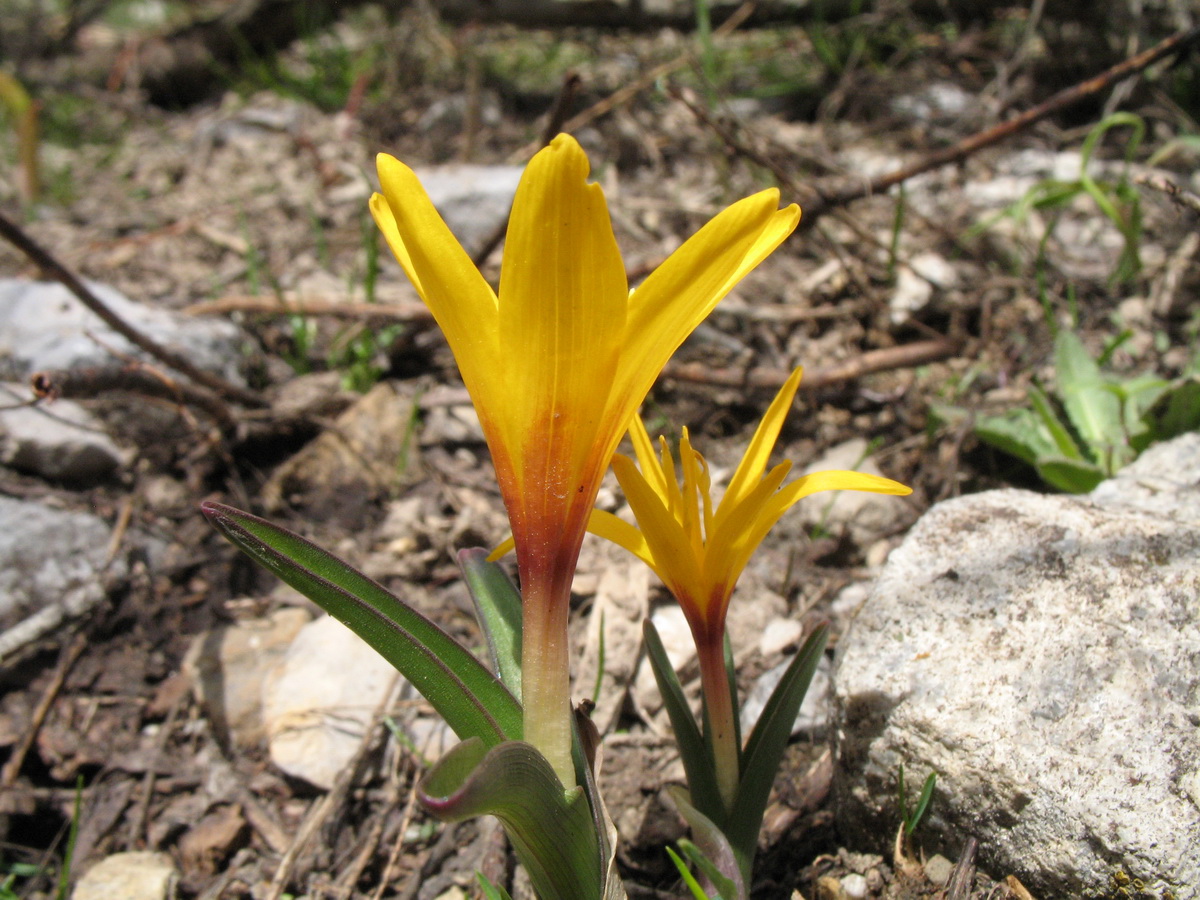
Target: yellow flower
{"type": "Point", "coordinates": [558, 362]}
{"type": "Point", "coordinates": [699, 552]}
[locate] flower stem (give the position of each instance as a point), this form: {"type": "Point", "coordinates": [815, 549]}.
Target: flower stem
{"type": "Point", "coordinates": [546, 681]}
{"type": "Point", "coordinates": [718, 710]}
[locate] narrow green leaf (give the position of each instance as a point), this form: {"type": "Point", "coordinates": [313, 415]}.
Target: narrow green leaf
{"type": "Point", "coordinates": [551, 830]}
{"type": "Point", "coordinates": [491, 891]}
{"type": "Point", "coordinates": [471, 699]}
{"type": "Point", "coordinates": [1072, 476]}
{"type": "Point", "coordinates": [727, 888]}
{"type": "Point", "coordinates": [768, 739]}
{"type": "Point", "coordinates": [922, 803]}
{"type": "Point", "coordinates": [498, 609]}
{"type": "Point", "coordinates": [688, 878]}
{"type": "Point", "coordinates": [696, 755]}
{"type": "Point", "coordinates": [721, 859]}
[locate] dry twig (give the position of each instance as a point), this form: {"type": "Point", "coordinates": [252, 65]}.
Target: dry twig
{"type": "Point", "coordinates": [901, 357]}
{"type": "Point", "coordinates": [49, 264]}
{"type": "Point", "coordinates": [821, 197]}
{"type": "Point", "coordinates": [85, 383]}
{"type": "Point", "coordinates": [66, 659]}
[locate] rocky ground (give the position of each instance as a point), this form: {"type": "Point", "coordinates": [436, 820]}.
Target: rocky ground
{"type": "Point", "coordinates": [165, 697]}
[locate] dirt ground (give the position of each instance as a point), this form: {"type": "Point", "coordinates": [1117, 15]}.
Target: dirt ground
{"type": "Point", "coordinates": [254, 198]}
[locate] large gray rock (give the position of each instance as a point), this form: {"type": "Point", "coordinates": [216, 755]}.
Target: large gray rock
{"type": "Point", "coordinates": [1041, 654]}
{"type": "Point", "coordinates": [61, 441]}
{"type": "Point", "coordinates": [53, 566]}
{"type": "Point", "coordinates": [44, 326]}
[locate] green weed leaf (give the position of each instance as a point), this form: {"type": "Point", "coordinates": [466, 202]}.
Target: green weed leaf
{"type": "Point", "coordinates": [1072, 476]}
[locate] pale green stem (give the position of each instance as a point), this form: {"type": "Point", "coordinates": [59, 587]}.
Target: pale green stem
{"type": "Point", "coordinates": [546, 681]}
{"type": "Point", "coordinates": [718, 706]}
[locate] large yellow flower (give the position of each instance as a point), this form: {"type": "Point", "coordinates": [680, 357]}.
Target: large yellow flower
{"type": "Point", "coordinates": [699, 552]}
{"type": "Point", "coordinates": [558, 362]}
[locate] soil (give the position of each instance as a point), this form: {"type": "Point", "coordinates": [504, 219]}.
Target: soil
{"type": "Point", "coordinates": [262, 192]}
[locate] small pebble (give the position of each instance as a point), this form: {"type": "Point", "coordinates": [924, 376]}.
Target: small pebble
{"type": "Point", "coordinates": [938, 869]}
{"type": "Point", "coordinates": [854, 886]}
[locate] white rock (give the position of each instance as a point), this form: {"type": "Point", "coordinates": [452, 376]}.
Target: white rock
{"type": "Point", "coordinates": [680, 647]}
{"type": "Point", "coordinates": [1039, 653]}
{"type": "Point", "coordinates": [61, 441]}
{"type": "Point", "coordinates": [813, 715]}
{"type": "Point", "coordinates": [229, 665]}
{"type": "Point", "coordinates": [320, 699]}
{"type": "Point", "coordinates": [779, 635]}
{"type": "Point", "coordinates": [916, 282]}
{"type": "Point", "coordinates": [52, 567]}
{"type": "Point", "coordinates": [44, 326]}
{"type": "Point", "coordinates": [936, 101]}
{"type": "Point", "coordinates": [854, 886]}
{"type": "Point", "coordinates": [129, 876]}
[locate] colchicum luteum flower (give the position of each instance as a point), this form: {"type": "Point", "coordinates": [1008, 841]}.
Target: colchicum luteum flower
{"type": "Point", "coordinates": [699, 550]}
{"type": "Point", "coordinates": [557, 363]}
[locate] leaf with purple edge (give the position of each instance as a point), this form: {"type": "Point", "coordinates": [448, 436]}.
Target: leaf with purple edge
{"type": "Point", "coordinates": [471, 699]}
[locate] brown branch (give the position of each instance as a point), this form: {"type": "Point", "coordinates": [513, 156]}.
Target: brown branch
{"type": "Point", "coordinates": [273, 306]}
{"type": "Point", "coordinates": [85, 383]}
{"type": "Point", "coordinates": [1182, 197]}
{"type": "Point", "coordinates": [66, 659]}
{"type": "Point", "coordinates": [901, 357]}
{"type": "Point", "coordinates": [51, 266]}
{"type": "Point", "coordinates": [819, 198]}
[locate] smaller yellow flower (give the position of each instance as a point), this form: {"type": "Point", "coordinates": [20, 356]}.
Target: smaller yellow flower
{"type": "Point", "coordinates": [699, 552]}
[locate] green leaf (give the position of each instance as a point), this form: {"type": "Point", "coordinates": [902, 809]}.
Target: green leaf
{"type": "Point", "coordinates": [727, 888]}
{"type": "Point", "coordinates": [686, 874]}
{"type": "Point", "coordinates": [1092, 408]}
{"type": "Point", "coordinates": [551, 829]}
{"type": "Point", "coordinates": [922, 802]}
{"type": "Point", "coordinates": [491, 891]}
{"type": "Point", "coordinates": [767, 742]}
{"type": "Point", "coordinates": [498, 609]}
{"type": "Point", "coordinates": [726, 870]}
{"type": "Point", "coordinates": [1019, 432]}
{"type": "Point", "coordinates": [1176, 411]}
{"type": "Point", "coordinates": [471, 699]}
{"type": "Point", "coordinates": [698, 763]}
{"type": "Point", "coordinates": [1073, 476]}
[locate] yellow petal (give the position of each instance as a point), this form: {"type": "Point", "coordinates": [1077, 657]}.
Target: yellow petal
{"type": "Point", "coordinates": [606, 525]}
{"type": "Point", "coordinates": [681, 292]}
{"type": "Point", "coordinates": [667, 544]}
{"type": "Point", "coordinates": [754, 463]}
{"type": "Point", "coordinates": [462, 302]}
{"type": "Point", "coordinates": [836, 480]}
{"type": "Point", "coordinates": [563, 299]}
{"type": "Point", "coordinates": [737, 536]}
{"type": "Point", "coordinates": [643, 447]}
{"type": "Point", "coordinates": [506, 547]}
